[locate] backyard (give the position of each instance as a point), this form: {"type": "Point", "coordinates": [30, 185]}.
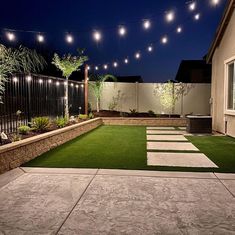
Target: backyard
{"type": "Point", "coordinates": [124, 147]}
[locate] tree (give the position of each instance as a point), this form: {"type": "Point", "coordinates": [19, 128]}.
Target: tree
{"type": "Point", "coordinates": [18, 60]}
{"type": "Point", "coordinates": [97, 86]}
{"type": "Point", "coordinates": [68, 64]}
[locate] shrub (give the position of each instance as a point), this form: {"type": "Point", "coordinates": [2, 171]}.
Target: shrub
{"type": "Point", "coordinates": [16, 137]}
{"type": "Point", "coordinates": [151, 113]}
{"type": "Point", "coordinates": [61, 122]}
{"type": "Point", "coordinates": [24, 130]}
{"type": "Point", "coordinates": [91, 115]}
{"type": "Point", "coordinates": [83, 116]}
{"type": "Point", "coordinates": [40, 124]}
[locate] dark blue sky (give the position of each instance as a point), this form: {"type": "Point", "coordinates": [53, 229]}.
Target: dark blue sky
{"type": "Point", "coordinates": [81, 17]}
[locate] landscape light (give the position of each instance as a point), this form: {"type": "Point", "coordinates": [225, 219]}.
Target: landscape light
{"type": "Point", "coordinates": [40, 38]}
{"type": "Point", "coordinates": [137, 55]}
{"type": "Point", "coordinates": [96, 68]}
{"type": "Point", "coordinates": [150, 49]}
{"type": "Point", "coordinates": [97, 36]}
{"type": "Point", "coordinates": [192, 6]}
{"type": "Point", "coordinates": [146, 24]}
{"type": "Point", "coordinates": [122, 31]}
{"type": "Point", "coordinates": [15, 79]}
{"type": "Point", "coordinates": [179, 29]}
{"type": "Point", "coordinates": [105, 66]}
{"type": "Point", "coordinates": [164, 40]}
{"type": "Point", "coordinates": [170, 16]}
{"type": "Point", "coordinates": [69, 38]}
{"type": "Point", "coordinates": [10, 36]}
{"type": "Point", "coordinates": [126, 61]}
{"type": "Point", "coordinates": [115, 64]}
{"type": "Point", "coordinates": [40, 81]}
{"type": "Point", "coordinates": [197, 16]}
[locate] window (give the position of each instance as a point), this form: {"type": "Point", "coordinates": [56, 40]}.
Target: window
{"type": "Point", "coordinates": [231, 86]}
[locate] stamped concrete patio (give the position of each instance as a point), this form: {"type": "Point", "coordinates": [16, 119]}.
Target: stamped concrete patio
{"type": "Point", "coordinates": [93, 201]}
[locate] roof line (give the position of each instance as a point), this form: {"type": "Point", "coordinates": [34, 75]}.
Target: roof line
{"type": "Point", "coordinates": [221, 29]}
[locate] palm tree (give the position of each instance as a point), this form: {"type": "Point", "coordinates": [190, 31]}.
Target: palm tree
{"type": "Point", "coordinates": [18, 60]}
{"type": "Point", "coordinates": [68, 64]}
{"type": "Point", "coordinates": [97, 86]}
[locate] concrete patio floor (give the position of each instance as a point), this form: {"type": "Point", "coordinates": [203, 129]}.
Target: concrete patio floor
{"type": "Point", "coordinates": [95, 201]}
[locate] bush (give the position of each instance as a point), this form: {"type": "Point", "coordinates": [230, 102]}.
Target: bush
{"type": "Point", "coordinates": [40, 124]}
{"type": "Point", "coordinates": [16, 138]}
{"type": "Point", "coordinates": [24, 130]}
{"type": "Point", "coordinates": [151, 113]}
{"type": "Point", "coordinates": [83, 116]}
{"type": "Point", "coordinates": [61, 122]}
{"type": "Point", "coordinates": [91, 115]}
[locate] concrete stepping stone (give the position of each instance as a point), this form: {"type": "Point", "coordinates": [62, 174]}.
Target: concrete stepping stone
{"type": "Point", "coordinates": [159, 132]}
{"type": "Point", "coordinates": [160, 128]}
{"type": "Point", "coordinates": [171, 146]}
{"type": "Point", "coordinates": [179, 160]}
{"type": "Point", "coordinates": [166, 137]}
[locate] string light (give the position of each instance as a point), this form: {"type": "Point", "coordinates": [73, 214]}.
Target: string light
{"type": "Point", "coordinates": [82, 86]}
{"type": "Point", "coordinates": [88, 67]}
{"type": "Point", "coordinates": [179, 29]}
{"type": "Point", "coordinates": [170, 16]}
{"type": "Point", "coordinates": [57, 83]}
{"type": "Point", "coordinates": [96, 68]}
{"type": "Point", "coordinates": [105, 66]}
{"type": "Point", "coordinates": [146, 24]}
{"type": "Point", "coordinates": [122, 31]}
{"type": "Point", "coordinates": [137, 55]}
{"type": "Point", "coordinates": [10, 36]}
{"type": "Point", "coordinates": [69, 38]}
{"type": "Point", "coordinates": [49, 81]}
{"type": "Point", "coordinates": [72, 84]}
{"type": "Point", "coordinates": [15, 79]}
{"type": "Point", "coordinates": [150, 48]}
{"type": "Point", "coordinates": [215, 2]}
{"type": "Point", "coordinates": [29, 78]}
{"type": "Point", "coordinates": [115, 64]}
{"type": "Point", "coordinates": [40, 81]}
{"type": "Point", "coordinates": [65, 83]}
{"type": "Point", "coordinates": [197, 16]}
{"type": "Point", "coordinates": [126, 61]}
{"type": "Point", "coordinates": [40, 38]}
{"type": "Point", "coordinates": [164, 40]}
{"type": "Point", "coordinates": [192, 6]}
{"type": "Point", "coordinates": [77, 86]}
{"type": "Point", "coordinates": [97, 36]}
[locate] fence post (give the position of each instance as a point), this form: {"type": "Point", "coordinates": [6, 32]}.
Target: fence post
{"type": "Point", "coordinates": [86, 89]}
{"type": "Point", "coordinates": [29, 99]}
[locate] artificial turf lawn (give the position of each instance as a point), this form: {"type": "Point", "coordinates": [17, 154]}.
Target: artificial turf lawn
{"type": "Point", "coordinates": [124, 147]}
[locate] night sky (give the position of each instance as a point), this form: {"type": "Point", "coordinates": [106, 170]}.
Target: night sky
{"type": "Point", "coordinates": [55, 18]}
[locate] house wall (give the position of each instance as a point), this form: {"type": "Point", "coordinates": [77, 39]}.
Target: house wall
{"type": "Point", "coordinates": [224, 52]}
{"type": "Point", "coordinates": [140, 96]}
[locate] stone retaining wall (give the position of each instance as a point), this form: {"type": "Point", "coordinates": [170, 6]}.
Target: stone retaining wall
{"type": "Point", "coordinates": [15, 154]}
{"type": "Point", "coordinates": [145, 121]}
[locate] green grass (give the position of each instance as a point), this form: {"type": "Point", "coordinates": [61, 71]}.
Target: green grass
{"type": "Point", "coordinates": [124, 147]}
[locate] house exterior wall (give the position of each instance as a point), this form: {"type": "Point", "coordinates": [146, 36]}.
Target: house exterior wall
{"type": "Point", "coordinates": [224, 52]}
{"type": "Point", "coordinates": [140, 96]}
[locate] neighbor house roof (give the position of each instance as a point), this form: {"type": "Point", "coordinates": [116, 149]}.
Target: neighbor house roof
{"type": "Point", "coordinates": [221, 29]}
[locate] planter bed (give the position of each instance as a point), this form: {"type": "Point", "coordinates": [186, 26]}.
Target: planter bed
{"type": "Point", "coordinates": [15, 154]}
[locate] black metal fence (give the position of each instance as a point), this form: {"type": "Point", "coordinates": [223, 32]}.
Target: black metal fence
{"type": "Point", "coordinates": [37, 95]}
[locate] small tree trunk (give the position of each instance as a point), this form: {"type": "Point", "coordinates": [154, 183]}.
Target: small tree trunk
{"type": "Point", "coordinates": [98, 105]}
{"type": "Point", "coordinates": [66, 104]}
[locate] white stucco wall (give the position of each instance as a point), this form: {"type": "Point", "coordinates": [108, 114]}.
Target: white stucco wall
{"type": "Point", "coordinates": [224, 52]}
{"type": "Point", "coordinates": [141, 97]}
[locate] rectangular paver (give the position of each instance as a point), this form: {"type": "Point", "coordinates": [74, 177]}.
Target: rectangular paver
{"type": "Point", "coordinates": [166, 137]}
{"type": "Point", "coordinates": [179, 160]}
{"type": "Point", "coordinates": [171, 146]}
{"type": "Point", "coordinates": [160, 128]}
{"type": "Point", "coordinates": [165, 132]}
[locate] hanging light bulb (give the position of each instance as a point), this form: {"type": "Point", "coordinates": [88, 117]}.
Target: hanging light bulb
{"type": "Point", "coordinates": [150, 48]}
{"type": "Point", "coordinates": [197, 16]}
{"type": "Point", "coordinates": [115, 64]}
{"type": "Point", "coordinates": [40, 81]}
{"type": "Point", "coordinates": [77, 86]}
{"type": "Point", "coordinates": [122, 31]}
{"type": "Point", "coordinates": [57, 83]}
{"type": "Point", "coordinates": [72, 85]}
{"type": "Point", "coordinates": [29, 78]}
{"type": "Point", "coordinates": [105, 66]}
{"type": "Point", "coordinates": [11, 36]}
{"type": "Point", "coordinates": [179, 29]}
{"type": "Point", "coordinates": [192, 6]}
{"type": "Point", "coordinates": [88, 67]}
{"type": "Point", "coordinates": [146, 24]}
{"type": "Point", "coordinates": [40, 38]}
{"type": "Point", "coordinates": [97, 36]}
{"type": "Point", "coordinates": [126, 61]}
{"type": "Point", "coordinates": [69, 38]}
{"type": "Point", "coordinates": [15, 79]}
{"type": "Point", "coordinates": [96, 68]}
{"type": "Point", "coordinates": [164, 40]}
{"type": "Point", "coordinates": [170, 16]}
{"type": "Point", "coordinates": [215, 2]}
{"type": "Point", "coordinates": [49, 81]}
